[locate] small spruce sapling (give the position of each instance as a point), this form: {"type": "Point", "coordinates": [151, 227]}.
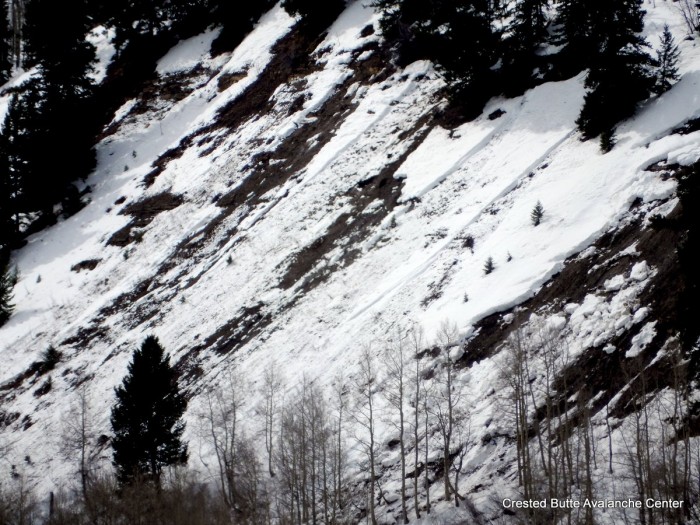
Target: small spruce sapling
{"type": "Point", "coordinates": [469, 243]}
{"type": "Point", "coordinates": [666, 62]}
{"type": "Point", "coordinates": [49, 359]}
{"type": "Point", "coordinates": [536, 214]}
{"type": "Point", "coordinates": [489, 266]}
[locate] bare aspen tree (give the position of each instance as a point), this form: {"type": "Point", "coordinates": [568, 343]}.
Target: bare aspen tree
{"type": "Point", "coordinates": [271, 390]}
{"type": "Point", "coordinates": [446, 407]}
{"type": "Point", "coordinates": [338, 454]}
{"type": "Point", "coordinates": [79, 439]}
{"type": "Point", "coordinates": [514, 375]}
{"type": "Point", "coordinates": [426, 448]}
{"type": "Point", "coordinates": [395, 393]}
{"type": "Point", "coordinates": [416, 342]}
{"type": "Point", "coordinates": [364, 419]}
{"type": "Point", "coordinates": [289, 504]}
{"type": "Point", "coordinates": [310, 457]}
{"type": "Point", "coordinates": [18, 504]}
{"type": "Point", "coordinates": [585, 437]}
{"type": "Point", "coordinates": [237, 470]}
{"type": "Point", "coordinates": [637, 448]}
{"type": "Point", "coordinates": [690, 11]}
{"type": "Point", "coordinates": [463, 435]}
{"type": "Point", "coordinates": [610, 443]}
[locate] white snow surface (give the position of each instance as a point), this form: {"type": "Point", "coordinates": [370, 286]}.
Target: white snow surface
{"type": "Point", "coordinates": [187, 53]}
{"type": "Point", "coordinates": [480, 180]}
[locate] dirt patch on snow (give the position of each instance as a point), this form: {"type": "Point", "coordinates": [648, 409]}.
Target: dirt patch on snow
{"type": "Point", "coordinates": [142, 213]}
{"type": "Point", "coordinates": [350, 229]}
{"type": "Point", "coordinates": [88, 265]}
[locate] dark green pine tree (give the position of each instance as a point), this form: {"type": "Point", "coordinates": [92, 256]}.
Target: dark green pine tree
{"type": "Point", "coordinates": [236, 20]}
{"type": "Point", "coordinates": [457, 35]}
{"type": "Point", "coordinates": [620, 67]}
{"type": "Point", "coordinates": [135, 20]}
{"type": "Point", "coordinates": [316, 14]}
{"type": "Point", "coordinates": [8, 229]}
{"type": "Point", "coordinates": [147, 417]}
{"type": "Point", "coordinates": [527, 33]}
{"type": "Point", "coordinates": [5, 42]}
{"type": "Point", "coordinates": [666, 62]}
{"type": "Point", "coordinates": [8, 279]}
{"type": "Point", "coordinates": [465, 48]}
{"type": "Point", "coordinates": [576, 21]}
{"type": "Point", "coordinates": [68, 123]}
{"type": "Point", "coordinates": [404, 24]}
{"type": "Point", "coordinates": [23, 186]}
{"type": "Point", "coordinates": [191, 17]}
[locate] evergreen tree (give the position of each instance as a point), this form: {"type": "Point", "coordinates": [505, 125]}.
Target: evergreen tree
{"type": "Point", "coordinates": [489, 266]}
{"type": "Point", "coordinates": [527, 33]}
{"type": "Point", "coordinates": [136, 20]}
{"type": "Point", "coordinates": [5, 42]}
{"type": "Point", "coordinates": [63, 124]}
{"type": "Point", "coordinates": [619, 75]}
{"type": "Point", "coordinates": [22, 186]}
{"type": "Point", "coordinates": [8, 279]}
{"type": "Point", "coordinates": [16, 11]}
{"type": "Point", "coordinates": [457, 35]}
{"type": "Point", "coordinates": [8, 230]}
{"type": "Point", "coordinates": [402, 24]}
{"type": "Point", "coordinates": [666, 62]}
{"type": "Point", "coordinates": [537, 214]}
{"type": "Point", "coordinates": [576, 21]}
{"type": "Point", "coordinates": [236, 21]}
{"type": "Point", "coordinates": [147, 417]}
{"type": "Point", "coordinates": [315, 13]}
{"type": "Point", "coordinates": [466, 49]}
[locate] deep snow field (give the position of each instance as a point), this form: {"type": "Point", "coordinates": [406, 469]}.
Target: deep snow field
{"type": "Point", "coordinates": [403, 262]}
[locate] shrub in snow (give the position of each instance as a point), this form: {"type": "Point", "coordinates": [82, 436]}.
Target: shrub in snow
{"type": "Point", "coordinates": [49, 359]}
{"type": "Point", "coordinates": [469, 243]}
{"type": "Point", "coordinates": [489, 266]}
{"type": "Point", "coordinates": [536, 215]}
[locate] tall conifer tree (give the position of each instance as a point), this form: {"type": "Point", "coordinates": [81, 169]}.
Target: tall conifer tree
{"type": "Point", "coordinates": [64, 124]}
{"type": "Point", "coordinates": [5, 42]}
{"type": "Point", "coordinates": [620, 66]}
{"type": "Point", "coordinates": [666, 62]}
{"type": "Point", "coordinates": [315, 13]}
{"type": "Point", "coordinates": [147, 417]}
{"type": "Point", "coordinates": [526, 34]}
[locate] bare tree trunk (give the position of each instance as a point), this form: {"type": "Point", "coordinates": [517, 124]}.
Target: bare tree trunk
{"type": "Point", "coordinates": [272, 386]}
{"type": "Point", "coordinates": [17, 22]}
{"type": "Point", "coordinates": [426, 477]}
{"type": "Point", "coordinates": [445, 408]}
{"type": "Point", "coordinates": [416, 337]}
{"type": "Point", "coordinates": [395, 395]}
{"type": "Point", "coordinates": [79, 440]}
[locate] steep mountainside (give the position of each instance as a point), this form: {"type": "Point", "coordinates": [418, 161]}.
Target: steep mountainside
{"type": "Point", "coordinates": [300, 199]}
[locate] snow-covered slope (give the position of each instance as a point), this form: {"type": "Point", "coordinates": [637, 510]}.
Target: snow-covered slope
{"type": "Point", "coordinates": [289, 212]}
